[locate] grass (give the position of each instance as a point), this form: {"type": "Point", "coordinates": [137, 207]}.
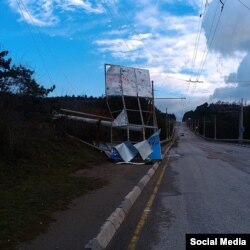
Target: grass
{"type": "Point", "coordinates": [38, 180]}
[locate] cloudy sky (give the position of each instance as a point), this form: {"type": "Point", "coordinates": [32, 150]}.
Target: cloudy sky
{"type": "Point", "coordinates": [198, 49]}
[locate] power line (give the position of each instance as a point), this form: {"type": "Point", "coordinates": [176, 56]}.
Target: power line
{"type": "Point", "coordinates": [196, 49]}
{"type": "Point", "coordinates": [236, 81]}
{"type": "Point", "coordinates": [211, 42]}
{"type": "Point", "coordinates": [176, 78]}
{"type": "Point", "coordinates": [198, 36]}
{"type": "Point", "coordinates": [244, 4]}
{"type": "Point", "coordinates": [22, 9]}
{"type": "Point", "coordinates": [51, 52]}
{"type": "Point", "coordinates": [108, 11]}
{"type": "Point", "coordinates": [205, 55]}
{"type": "Point", "coordinates": [155, 57]}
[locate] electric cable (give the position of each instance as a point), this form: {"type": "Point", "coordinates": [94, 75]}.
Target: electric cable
{"type": "Point", "coordinates": [108, 11]}
{"type": "Point", "coordinates": [244, 4]}
{"type": "Point", "coordinates": [210, 42]}
{"type": "Point", "coordinates": [196, 47]}
{"type": "Point", "coordinates": [155, 57]}
{"type": "Point", "coordinates": [49, 49]}
{"type": "Point", "coordinates": [35, 42]}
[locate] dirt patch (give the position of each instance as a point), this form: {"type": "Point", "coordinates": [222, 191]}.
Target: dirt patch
{"type": "Point", "coordinates": [110, 170]}
{"type": "Point", "coordinates": [74, 227]}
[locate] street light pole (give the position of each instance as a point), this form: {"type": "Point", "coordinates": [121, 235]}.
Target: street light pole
{"type": "Point", "coordinates": [241, 126]}
{"type": "Point", "coordinates": [204, 126]}
{"type": "Point", "coordinates": [215, 127]}
{"type": "Point", "coordinates": [167, 124]}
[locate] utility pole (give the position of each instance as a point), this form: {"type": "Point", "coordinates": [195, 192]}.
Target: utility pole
{"type": "Point", "coordinates": [204, 126]}
{"type": "Point", "coordinates": [169, 121]}
{"type": "Point", "coordinates": [167, 124]}
{"type": "Point", "coordinates": [169, 127]}
{"type": "Point", "coordinates": [241, 126]}
{"type": "Point", "coordinates": [194, 81]}
{"type": "Point", "coordinates": [153, 102]}
{"type": "Point", "coordinates": [215, 127]}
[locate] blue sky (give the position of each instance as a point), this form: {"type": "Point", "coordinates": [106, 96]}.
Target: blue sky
{"type": "Point", "coordinates": [67, 43]}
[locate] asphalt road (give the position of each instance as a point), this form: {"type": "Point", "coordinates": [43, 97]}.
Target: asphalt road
{"type": "Point", "coordinates": [205, 189]}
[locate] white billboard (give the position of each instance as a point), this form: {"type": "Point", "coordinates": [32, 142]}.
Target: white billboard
{"type": "Point", "coordinates": [113, 80]}
{"type": "Point", "coordinates": [143, 83]}
{"type": "Point", "coordinates": [127, 81]}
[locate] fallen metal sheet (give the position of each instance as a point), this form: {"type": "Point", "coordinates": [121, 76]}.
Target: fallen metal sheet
{"type": "Point", "coordinates": [113, 154]}
{"type": "Point", "coordinates": [130, 163]}
{"type": "Point", "coordinates": [103, 146]}
{"type": "Point", "coordinates": [144, 149]}
{"type": "Point", "coordinates": [121, 119]}
{"type": "Point", "coordinates": [154, 141]}
{"type": "Point", "coordinates": [126, 150]}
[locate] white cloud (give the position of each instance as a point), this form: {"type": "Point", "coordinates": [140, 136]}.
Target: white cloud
{"type": "Point", "coordinates": [35, 12]}
{"type": "Point", "coordinates": [233, 29]}
{"type": "Point", "coordinates": [80, 4]}
{"type": "Point", "coordinates": [232, 41]}
{"type": "Point", "coordinates": [47, 12]}
{"type": "Point", "coordinates": [241, 78]}
{"type": "Point", "coordinates": [141, 36]}
{"type": "Point", "coordinates": [165, 54]}
{"type": "Point", "coordinates": [121, 48]}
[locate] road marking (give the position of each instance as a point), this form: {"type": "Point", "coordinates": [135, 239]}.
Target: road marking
{"type": "Point", "coordinates": [147, 209]}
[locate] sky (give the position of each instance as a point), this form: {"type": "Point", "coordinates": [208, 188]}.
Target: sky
{"type": "Point", "coordinates": [195, 49]}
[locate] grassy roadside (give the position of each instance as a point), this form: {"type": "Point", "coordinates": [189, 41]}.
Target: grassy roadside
{"type": "Point", "coordinates": [40, 182]}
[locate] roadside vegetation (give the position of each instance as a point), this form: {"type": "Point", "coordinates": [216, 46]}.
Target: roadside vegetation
{"type": "Point", "coordinates": [36, 160]}
{"type": "Point", "coordinates": [40, 182]}
{"type": "Point", "coordinates": [227, 120]}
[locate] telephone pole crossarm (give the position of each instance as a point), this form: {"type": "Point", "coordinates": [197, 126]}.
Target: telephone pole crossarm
{"type": "Point", "coordinates": [171, 98]}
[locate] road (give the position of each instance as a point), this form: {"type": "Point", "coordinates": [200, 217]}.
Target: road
{"type": "Point", "coordinates": [205, 189]}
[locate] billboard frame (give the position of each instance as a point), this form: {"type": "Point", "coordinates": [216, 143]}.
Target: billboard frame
{"type": "Point", "coordinates": [150, 98]}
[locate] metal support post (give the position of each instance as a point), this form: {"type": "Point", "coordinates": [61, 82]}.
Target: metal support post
{"type": "Point", "coordinates": [167, 124]}
{"type": "Point", "coordinates": [204, 126]}
{"type": "Point", "coordinates": [215, 127]}
{"type": "Point", "coordinates": [241, 126]}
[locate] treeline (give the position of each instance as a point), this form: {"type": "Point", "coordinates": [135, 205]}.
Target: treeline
{"type": "Point", "coordinates": [222, 116]}
{"type": "Point", "coordinates": [21, 108]}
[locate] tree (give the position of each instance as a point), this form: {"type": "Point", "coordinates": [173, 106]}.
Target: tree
{"type": "Point", "coordinates": [4, 72]}
{"type": "Point", "coordinates": [19, 80]}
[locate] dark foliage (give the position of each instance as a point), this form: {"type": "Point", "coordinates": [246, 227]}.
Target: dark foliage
{"type": "Point", "coordinates": [98, 106]}
{"type": "Point", "coordinates": [19, 79]}
{"type": "Point", "coordinates": [227, 120]}
{"type": "Point", "coordinates": [22, 107]}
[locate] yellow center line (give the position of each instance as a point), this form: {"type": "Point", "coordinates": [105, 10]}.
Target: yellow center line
{"type": "Point", "coordinates": [146, 211]}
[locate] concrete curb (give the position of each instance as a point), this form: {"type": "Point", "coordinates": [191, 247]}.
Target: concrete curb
{"type": "Point", "coordinates": [113, 222]}
{"type": "Point", "coordinates": [143, 182]}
